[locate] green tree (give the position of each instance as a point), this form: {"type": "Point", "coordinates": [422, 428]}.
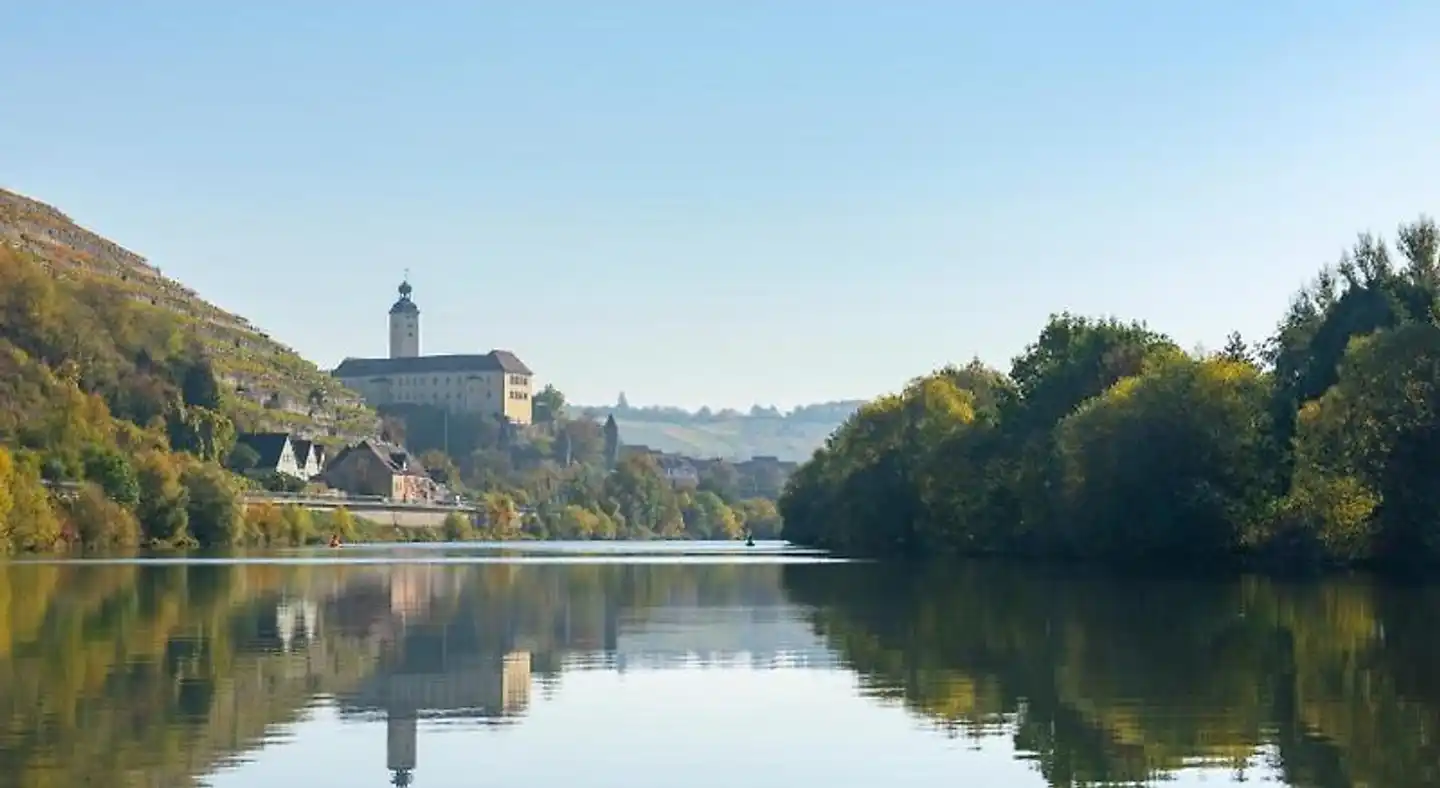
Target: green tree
{"type": "Point", "coordinates": [297, 525]}
{"type": "Point", "coordinates": [198, 386]}
{"type": "Point", "coordinates": [707, 517]}
{"type": "Point", "coordinates": [549, 405]}
{"type": "Point", "coordinates": [163, 510]}
{"type": "Point", "coordinates": [580, 441]}
{"type": "Point", "coordinates": [722, 479]}
{"type": "Point", "coordinates": [100, 522]}
{"type": "Point", "coordinates": [26, 519]}
{"type": "Point", "coordinates": [1236, 349]}
{"type": "Point", "coordinates": [1379, 427]}
{"type": "Point", "coordinates": [112, 471]}
{"type": "Point", "coordinates": [243, 458]}
{"type": "Point", "coordinates": [201, 432]}
{"type": "Point", "coordinates": [457, 528]}
{"type": "Point", "coordinates": [440, 467]}
{"type": "Point", "coordinates": [641, 495]}
{"type": "Point", "coordinates": [214, 509]}
{"type": "Point", "coordinates": [579, 523]}
{"type": "Point", "coordinates": [342, 524]}
{"type": "Point", "coordinates": [502, 520]}
{"type": "Point", "coordinates": [1169, 463]}
{"type": "Point", "coordinates": [760, 517]}
{"type": "Point", "coordinates": [1364, 293]}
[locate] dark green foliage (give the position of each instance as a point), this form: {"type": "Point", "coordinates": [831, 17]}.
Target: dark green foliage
{"type": "Point", "coordinates": [112, 471]}
{"type": "Point", "coordinates": [275, 481]}
{"type": "Point", "coordinates": [243, 458]}
{"type": "Point", "coordinates": [212, 506]}
{"type": "Point", "coordinates": [198, 387]}
{"type": "Point", "coordinates": [1106, 442]}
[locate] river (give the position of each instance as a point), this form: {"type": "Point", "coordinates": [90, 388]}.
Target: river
{"type": "Point", "coordinates": [701, 664]}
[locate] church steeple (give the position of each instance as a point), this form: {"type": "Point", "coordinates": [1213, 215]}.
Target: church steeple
{"type": "Point", "coordinates": [611, 431]}
{"type": "Point", "coordinates": [404, 323]}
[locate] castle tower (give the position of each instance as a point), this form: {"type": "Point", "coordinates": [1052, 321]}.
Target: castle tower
{"type": "Point", "coordinates": [404, 325]}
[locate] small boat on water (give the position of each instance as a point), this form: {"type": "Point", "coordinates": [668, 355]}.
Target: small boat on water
{"type": "Point", "coordinates": [335, 540]}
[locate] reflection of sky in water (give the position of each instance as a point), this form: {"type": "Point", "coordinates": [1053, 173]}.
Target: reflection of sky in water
{"type": "Point", "coordinates": [710, 727]}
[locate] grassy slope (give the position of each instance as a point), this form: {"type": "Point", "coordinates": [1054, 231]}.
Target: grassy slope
{"type": "Point", "coordinates": [254, 365]}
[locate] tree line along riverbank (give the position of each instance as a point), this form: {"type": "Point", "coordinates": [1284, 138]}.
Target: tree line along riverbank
{"type": "Point", "coordinates": [1107, 441]}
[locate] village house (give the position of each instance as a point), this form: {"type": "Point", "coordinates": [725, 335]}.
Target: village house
{"type": "Point", "coordinates": [275, 452]}
{"type": "Point", "coordinates": [309, 457]}
{"type": "Point", "coordinates": [280, 452]}
{"type": "Point", "coordinates": [377, 468]}
{"type": "Point", "coordinates": [496, 383]}
{"type": "Point", "coordinates": [678, 470]}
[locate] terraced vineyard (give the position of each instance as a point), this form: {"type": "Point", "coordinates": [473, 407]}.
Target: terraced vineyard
{"type": "Point", "coordinates": [271, 386]}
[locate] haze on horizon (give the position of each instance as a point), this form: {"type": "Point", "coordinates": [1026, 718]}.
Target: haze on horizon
{"type": "Point", "coordinates": [715, 203]}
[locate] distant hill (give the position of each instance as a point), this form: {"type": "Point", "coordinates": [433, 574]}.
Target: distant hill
{"type": "Point", "coordinates": [273, 386]}
{"type": "Point", "coordinates": [728, 433]}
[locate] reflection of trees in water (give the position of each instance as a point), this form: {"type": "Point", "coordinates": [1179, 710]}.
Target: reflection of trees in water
{"type": "Point", "coordinates": [160, 672]}
{"type": "Point", "coordinates": [1116, 680]}
{"type": "Point", "coordinates": [114, 670]}
{"type": "Point", "coordinates": [156, 673]}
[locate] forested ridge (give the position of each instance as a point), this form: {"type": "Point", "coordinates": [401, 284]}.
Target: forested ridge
{"type": "Point", "coordinates": [113, 426]}
{"type": "Point", "coordinates": [1107, 441]}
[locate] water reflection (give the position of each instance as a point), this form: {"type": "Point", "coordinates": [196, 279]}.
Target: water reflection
{"type": "Point", "coordinates": [119, 673]}
{"type": "Point", "coordinates": [1122, 681]}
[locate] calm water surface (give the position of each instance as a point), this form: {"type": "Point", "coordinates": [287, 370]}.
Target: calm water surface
{"type": "Point", "coordinates": [701, 665]}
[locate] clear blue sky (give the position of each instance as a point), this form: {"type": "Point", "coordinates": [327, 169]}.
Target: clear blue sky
{"type": "Point", "coordinates": [728, 202]}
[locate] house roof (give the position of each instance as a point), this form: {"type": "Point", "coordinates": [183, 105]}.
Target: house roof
{"type": "Point", "coordinates": [672, 463]}
{"type": "Point", "coordinates": [269, 445]}
{"type": "Point", "coordinates": [397, 459]}
{"type": "Point", "coordinates": [301, 447]}
{"type": "Point", "coordinates": [494, 361]}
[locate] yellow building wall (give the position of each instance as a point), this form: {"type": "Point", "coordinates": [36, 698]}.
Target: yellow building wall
{"type": "Point", "coordinates": [496, 393]}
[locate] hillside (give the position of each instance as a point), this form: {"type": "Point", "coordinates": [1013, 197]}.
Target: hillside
{"type": "Point", "coordinates": [270, 386]}
{"type": "Point", "coordinates": [729, 434]}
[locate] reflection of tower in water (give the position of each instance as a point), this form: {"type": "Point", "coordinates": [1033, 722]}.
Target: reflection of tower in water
{"type": "Point", "coordinates": [515, 682]}
{"type": "Point", "coordinates": [487, 689]}
{"type": "Point", "coordinates": [412, 588]}
{"type": "Point", "coordinates": [400, 741]}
